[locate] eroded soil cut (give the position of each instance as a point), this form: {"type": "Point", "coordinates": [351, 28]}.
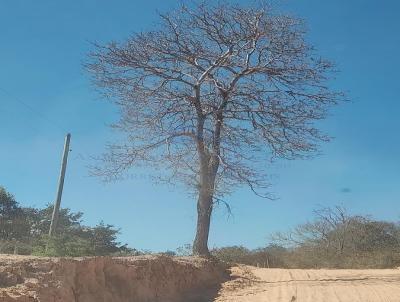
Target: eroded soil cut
{"type": "Point", "coordinates": [141, 279]}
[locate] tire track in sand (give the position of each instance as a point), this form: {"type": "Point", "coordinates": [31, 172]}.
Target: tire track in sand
{"type": "Point", "coordinates": [289, 285]}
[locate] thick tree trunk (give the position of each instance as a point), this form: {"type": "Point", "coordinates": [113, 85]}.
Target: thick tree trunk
{"type": "Point", "coordinates": [204, 210]}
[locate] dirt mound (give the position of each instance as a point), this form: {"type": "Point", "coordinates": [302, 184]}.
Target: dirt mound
{"type": "Point", "coordinates": [105, 279]}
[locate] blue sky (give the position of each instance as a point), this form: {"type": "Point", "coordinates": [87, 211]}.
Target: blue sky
{"type": "Point", "coordinates": [42, 47]}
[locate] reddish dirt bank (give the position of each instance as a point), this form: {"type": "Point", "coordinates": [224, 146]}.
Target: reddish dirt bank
{"type": "Point", "coordinates": [104, 279]}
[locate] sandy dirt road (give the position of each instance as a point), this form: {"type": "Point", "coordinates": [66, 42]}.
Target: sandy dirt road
{"type": "Point", "coordinates": [282, 285]}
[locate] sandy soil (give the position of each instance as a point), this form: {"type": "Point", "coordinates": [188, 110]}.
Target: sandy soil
{"type": "Point", "coordinates": [281, 285]}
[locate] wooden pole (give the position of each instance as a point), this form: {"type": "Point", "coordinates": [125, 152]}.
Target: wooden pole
{"type": "Point", "coordinates": [56, 209]}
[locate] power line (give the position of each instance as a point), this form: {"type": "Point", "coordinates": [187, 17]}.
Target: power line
{"type": "Point", "coordinates": [33, 110]}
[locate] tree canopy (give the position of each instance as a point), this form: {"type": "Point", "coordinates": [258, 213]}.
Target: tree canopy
{"type": "Point", "coordinates": [24, 230]}
{"type": "Point", "coordinates": [211, 95]}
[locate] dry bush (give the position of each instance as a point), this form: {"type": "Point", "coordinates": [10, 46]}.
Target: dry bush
{"type": "Point", "coordinates": [336, 239]}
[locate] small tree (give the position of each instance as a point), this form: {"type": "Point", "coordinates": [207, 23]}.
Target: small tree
{"type": "Point", "coordinates": [104, 239]}
{"type": "Point", "coordinates": [211, 95]}
{"type": "Point", "coordinates": [14, 227]}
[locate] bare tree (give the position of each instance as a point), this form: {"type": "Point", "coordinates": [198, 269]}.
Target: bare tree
{"type": "Point", "coordinates": [211, 95]}
{"type": "Point", "coordinates": [335, 238]}
{"type": "Point", "coordinates": [329, 230]}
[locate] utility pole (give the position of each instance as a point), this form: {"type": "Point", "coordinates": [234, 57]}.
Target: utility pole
{"type": "Point", "coordinates": [56, 209]}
